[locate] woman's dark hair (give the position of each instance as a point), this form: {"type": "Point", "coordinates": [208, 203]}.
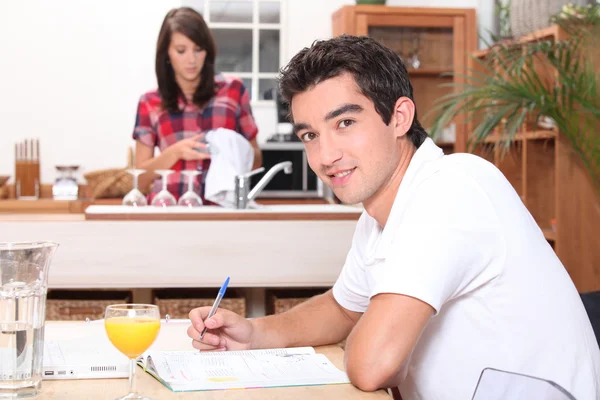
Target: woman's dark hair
{"type": "Point", "coordinates": [190, 23]}
{"type": "Point", "coordinates": [379, 73]}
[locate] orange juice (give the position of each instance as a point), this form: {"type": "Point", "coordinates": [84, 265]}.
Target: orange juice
{"type": "Point", "coordinates": [132, 336]}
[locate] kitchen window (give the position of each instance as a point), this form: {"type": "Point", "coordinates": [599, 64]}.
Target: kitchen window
{"type": "Point", "coordinates": [248, 34]}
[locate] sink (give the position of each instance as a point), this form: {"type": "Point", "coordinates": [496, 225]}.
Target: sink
{"type": "Point", "coordinates": [309, 208]}
{"type": "Point", "coordinates": [271, 208]}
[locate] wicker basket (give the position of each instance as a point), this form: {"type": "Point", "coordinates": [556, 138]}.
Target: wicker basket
{"type": "Point", "coordinates": [179, 302]}
{"type": "Point", "coordinates": [282, 300]}
{"type": "Point", "coordinates": [77, 306]}
{"type": "Point", "coordinates": [527, 16]}
{"type": "Point", "coordinates": [108, 183]}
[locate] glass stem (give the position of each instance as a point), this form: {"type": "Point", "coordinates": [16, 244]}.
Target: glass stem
{"type": "Point", "coordinates": [132, 376]}
{"type": "Point", "coordinates": [190, 183]}
{"type": "Point", "coordinates": [135, 181]}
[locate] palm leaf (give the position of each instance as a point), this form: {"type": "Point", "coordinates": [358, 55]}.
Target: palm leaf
{"type": "Point", "coordinates": [517, 82]}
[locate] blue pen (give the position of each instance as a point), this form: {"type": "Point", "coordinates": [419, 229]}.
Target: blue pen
{"type": "Point", "coordinates": [215, 306]}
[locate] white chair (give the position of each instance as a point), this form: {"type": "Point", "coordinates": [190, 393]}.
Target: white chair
{"type": "Point", "coordinates": [496, 384]}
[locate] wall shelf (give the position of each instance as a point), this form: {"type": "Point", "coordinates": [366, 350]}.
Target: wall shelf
{"type": "Point", "coordinates": [528, 135]}
{"type": "Point", "coordinates": [549, 176]}
{"type": "Point", "coordinates": [444, 37]}
{"type": "Point", "coordinates": [437, 72]}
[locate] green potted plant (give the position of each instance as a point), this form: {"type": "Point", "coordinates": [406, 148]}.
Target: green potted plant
{"type": "Point", "coordinates": [370, 1]}
{"type": "Point", "coordinates": [508, 88]}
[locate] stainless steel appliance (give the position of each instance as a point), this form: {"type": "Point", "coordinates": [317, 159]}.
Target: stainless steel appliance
{"type": "Point", "coordinates": [301, 183]}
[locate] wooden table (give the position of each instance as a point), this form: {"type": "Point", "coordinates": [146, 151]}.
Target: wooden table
{"type": "Point", "coordinates": [172, 336]}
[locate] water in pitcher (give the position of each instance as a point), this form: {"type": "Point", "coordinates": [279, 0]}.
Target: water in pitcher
{"type": "Point", "coordinates": [23, 287]}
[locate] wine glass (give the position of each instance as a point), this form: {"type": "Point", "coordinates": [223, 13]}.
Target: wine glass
{"type": "Point", "coordinates": [190, 198]}
{"type": "Point", "coordinates": [164, 198]}
{"type": "Point", "coordinates": [132, 328]}
{"type": "Point", "coordinates": [414, 55]}
{"type": "Point", "coordinates": [135, 197]}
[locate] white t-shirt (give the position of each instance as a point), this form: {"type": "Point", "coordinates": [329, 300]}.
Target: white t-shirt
{"type": "Point", "coordinates": [460, 239]}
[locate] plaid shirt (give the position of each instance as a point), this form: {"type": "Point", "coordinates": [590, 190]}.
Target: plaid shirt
{"type": "Point", "coordinates": [154, 126]}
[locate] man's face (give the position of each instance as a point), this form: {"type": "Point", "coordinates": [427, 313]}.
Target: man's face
{"type": "Point", "coordinates": [347, 143]}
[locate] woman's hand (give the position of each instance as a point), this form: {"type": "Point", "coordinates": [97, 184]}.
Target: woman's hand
{"type": "Point", "coordinates": [190, 149]}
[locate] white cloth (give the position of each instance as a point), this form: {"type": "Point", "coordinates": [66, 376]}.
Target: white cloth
{"type": "Point", "coordinates": [233, 156]}
{"type": "Point", "coordinates": [460, 239]}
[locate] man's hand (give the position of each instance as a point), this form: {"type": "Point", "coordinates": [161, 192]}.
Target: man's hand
{"type": "Point", "coordinates": [226, 330]}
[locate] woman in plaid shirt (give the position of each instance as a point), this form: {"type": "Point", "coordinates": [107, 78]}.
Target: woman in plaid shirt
{"type": "Point", "coordinates": [191, 99]}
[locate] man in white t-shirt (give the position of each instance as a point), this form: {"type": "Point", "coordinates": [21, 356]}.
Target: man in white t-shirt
{"type": "Point", "coordinates": [448, 273]}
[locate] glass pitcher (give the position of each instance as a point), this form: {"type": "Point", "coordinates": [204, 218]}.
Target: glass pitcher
{"type": "Point", "coordinates": [23, 286]}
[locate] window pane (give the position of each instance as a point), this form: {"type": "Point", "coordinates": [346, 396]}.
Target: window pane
{"type": "Point", "coordinates": [268, 60]}
{"type": "Point", "coordinates": [234, 50]}
{"type": "Point", "coordinates": [268, 12]}
{"type": "Point", "coordinates": [267, 89]}
{"type": "Point", "coordinates": [248, 84]}
{"type": "Point", "coordinates": [197, 5]}
{"type": "Point", "coordinates": [230, 10]}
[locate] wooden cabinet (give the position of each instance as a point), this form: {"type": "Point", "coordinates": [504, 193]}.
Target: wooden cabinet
{"type": "Point", "coordinates": [431, 41]}
{"type": "Point", "coordinates": [551, 180]}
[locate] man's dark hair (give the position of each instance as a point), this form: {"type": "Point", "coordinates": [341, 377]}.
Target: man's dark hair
{"type": "Point", "coordinates": [379, 73]}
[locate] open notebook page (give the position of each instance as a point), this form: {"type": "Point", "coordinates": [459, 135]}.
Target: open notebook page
{"type": "Point", "coordinates": [193, 370]}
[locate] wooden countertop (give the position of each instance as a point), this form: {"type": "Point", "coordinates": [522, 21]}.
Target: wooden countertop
{"type": "Point", "coordinates": [75, 210]}
{"type": "Point", "coordinates": [52, 210]}
{"type": "Point", "coordinates": [51, 206]}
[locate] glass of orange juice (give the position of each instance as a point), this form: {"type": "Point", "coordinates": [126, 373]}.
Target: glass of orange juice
{"type": "Point", "coordinates": [132, 328]}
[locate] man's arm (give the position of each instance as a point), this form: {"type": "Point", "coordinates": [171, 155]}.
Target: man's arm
{"type": "Point", "coordinates": [383, 338]}
{"type": "Point", "coordinates": [318, 321]}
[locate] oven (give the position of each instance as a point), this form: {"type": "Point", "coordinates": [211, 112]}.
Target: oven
{"type": "Point", "coordinates": [301, 183]}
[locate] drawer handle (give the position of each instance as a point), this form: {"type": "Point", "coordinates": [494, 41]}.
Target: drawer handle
{"type": "Point", "coordinates": [80, 310]}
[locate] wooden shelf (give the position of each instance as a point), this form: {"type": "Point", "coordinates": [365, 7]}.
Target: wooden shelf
{"type": "Point", "coordinates": [429, 72]}
{"type": "Point", "coordinates": [449, 34]}
{"type": "Point", "coordinates": [547, 173]}
{"type": "Point", "coordinates": [532, 135]}
{"type": "Point", "coordinates": [550, 32]}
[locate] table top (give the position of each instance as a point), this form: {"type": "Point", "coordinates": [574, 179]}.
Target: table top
{"type": "Point", "coordinates": [173, 336]}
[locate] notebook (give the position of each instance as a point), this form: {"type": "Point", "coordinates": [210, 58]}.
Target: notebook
{"type": "Point", "coordinates": [182, 371]}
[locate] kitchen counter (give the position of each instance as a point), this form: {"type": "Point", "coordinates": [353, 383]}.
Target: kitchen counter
{"type": "Point", "coordinates": [274, 248]}
{"type": "Point", "coordinates": [274, 212]}
{"type": "Point", "coordinates": [47, 205]}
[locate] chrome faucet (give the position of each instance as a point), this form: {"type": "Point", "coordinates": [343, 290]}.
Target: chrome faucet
{"type": "Point", "coordinates": [243, 194]}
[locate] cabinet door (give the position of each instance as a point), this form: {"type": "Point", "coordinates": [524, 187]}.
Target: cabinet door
{"type": "Point", "coordinates": [429, 45]}
{"type": "Point", "coordinates": [426, 44]}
